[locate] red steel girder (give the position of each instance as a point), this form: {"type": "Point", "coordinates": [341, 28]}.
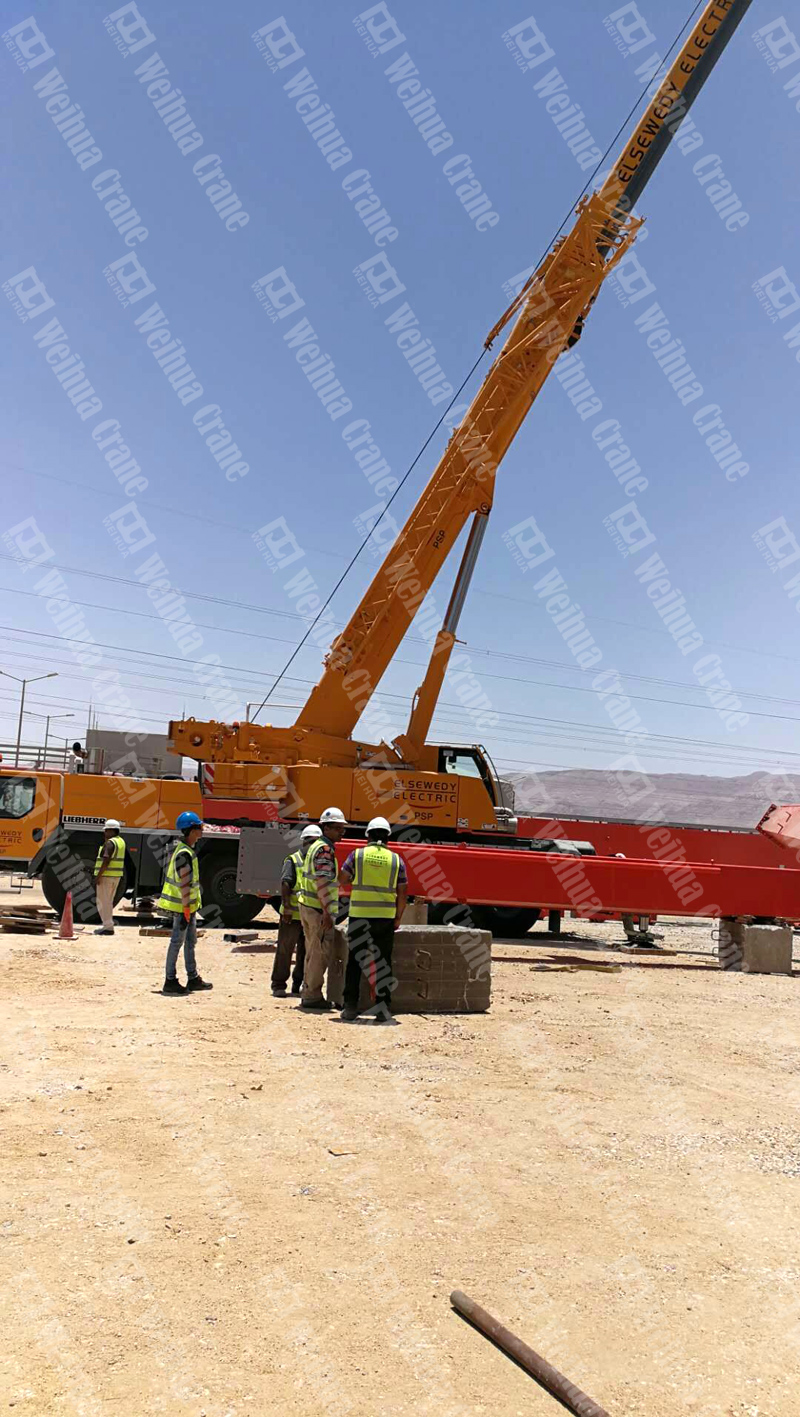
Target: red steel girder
{"type": "Point", "coordinates": [591, 884]}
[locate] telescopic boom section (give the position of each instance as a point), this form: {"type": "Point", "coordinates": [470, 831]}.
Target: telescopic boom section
{"type": "Point", "coordinates": [550, 313]}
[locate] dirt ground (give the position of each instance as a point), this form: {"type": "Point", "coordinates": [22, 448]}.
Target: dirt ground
{"type": "Point", "coordinates": [216, 1205]}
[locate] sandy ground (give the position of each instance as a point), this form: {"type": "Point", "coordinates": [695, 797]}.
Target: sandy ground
{"type": "Point", "coordinates": [217, 1205]}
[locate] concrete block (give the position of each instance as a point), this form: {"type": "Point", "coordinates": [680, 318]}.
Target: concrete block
{"type": "Point", "coordinates": [439, 970]}
{"type": "Point", "coordinates": [755, 949]}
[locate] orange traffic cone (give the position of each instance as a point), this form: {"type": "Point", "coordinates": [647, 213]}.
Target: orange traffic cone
{"type": "Point", "coordinates": [65, 929]}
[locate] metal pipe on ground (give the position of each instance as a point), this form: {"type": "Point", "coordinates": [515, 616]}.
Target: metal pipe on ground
{"type": "Point", "coordinates": [538, 1367]}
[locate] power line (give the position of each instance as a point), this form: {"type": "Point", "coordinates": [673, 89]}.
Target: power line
{"type": "Point", "coordinates": [601, 737]}
{"type": "Point", "coordinates": [338, 556]}
{"type": "Point", "coordinates": [506, 678]}
{"type": "Point", "coordinates": [473, 649]}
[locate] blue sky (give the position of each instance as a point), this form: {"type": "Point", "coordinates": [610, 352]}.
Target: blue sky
{"type": "Point", "coordinates": [301, 219]}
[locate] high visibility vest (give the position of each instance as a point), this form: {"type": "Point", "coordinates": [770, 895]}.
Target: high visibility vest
{"type": "Point", "coordinates": [294, 898]}
{"type": "Point", "coordinates": [309, 893]}
{"type": "Point", "coordinates": [116, 865]}
{"type": "Point", "coordinates": [374, 889]}
{"type": "Point", "coordinates": [171, 897]}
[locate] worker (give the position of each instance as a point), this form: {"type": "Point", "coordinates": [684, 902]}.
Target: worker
{"type": "Point", "coordinates": [180, 898]}
{"type": "Point", "coordinates": [78, 758]}
{"type": "Point", "coordinates": [326, 945]}
{"type": "Point", "coordinates": [379, 891]}
{"type": "Point", "coordinates": [290, 929]}
{"type": "Point", "coordinates": [108, 871]}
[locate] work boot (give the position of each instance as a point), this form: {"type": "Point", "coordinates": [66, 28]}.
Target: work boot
{"type": "Point", "coordinates": [194, 982]}
{"type": "Point", "coordinates": [348, 1014]}
{"type": "Point", "coordinates": [315, 1005]}
{"type": "Point", "coordinates": [278, 993]}
{"type": "Point", "coordinates": [103, 931]}
{"type": "Point", "coordinates": [297, 989]}
{"type": "Point", "coordinates": [174, 986]}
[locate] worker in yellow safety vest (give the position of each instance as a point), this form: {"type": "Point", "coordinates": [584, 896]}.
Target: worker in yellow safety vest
{"type": "Point", "coordinates": [180, 897]}
{"type": "Point", "coordinates": [290, 928]}
{"type": "Point", "coordinates": [108, 871]}
{"type": "Point", "coordinates": [378, 895]}
{"type": "Point", "coordinates": [326, 945]}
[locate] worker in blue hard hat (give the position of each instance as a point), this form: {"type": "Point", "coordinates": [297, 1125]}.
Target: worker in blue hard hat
{"type": "Point", "coordinates": [180, 898]}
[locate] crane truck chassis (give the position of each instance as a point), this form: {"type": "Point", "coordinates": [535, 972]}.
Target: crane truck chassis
{"type": "Point", "coordinates": [51, 826]}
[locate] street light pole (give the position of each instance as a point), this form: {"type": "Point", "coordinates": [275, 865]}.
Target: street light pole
{"type": "Point", "coordinates": [48, 717]}
{"type": "Point", "coordinates": [24, 683]}
{"type": "Point", "coordinates": [19, 721]}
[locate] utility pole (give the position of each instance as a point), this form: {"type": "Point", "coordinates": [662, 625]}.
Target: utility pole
{"type": "Point", "coordinates": [24, 683]}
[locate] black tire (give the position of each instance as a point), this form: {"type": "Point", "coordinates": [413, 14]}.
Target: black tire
{"type": "Point", "coordinates": [511, 921]}
{"type": "Point", "coordinates": [222, 903]}
{"type": "Point", "coordinates": [84, 909]}
{"type": "Point", "coordinates": [437, 911]}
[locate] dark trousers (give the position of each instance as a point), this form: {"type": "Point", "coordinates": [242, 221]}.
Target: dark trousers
{"type": "Point", "coordinates": [290, 935]}
{"type": "Point", "coordinates": [369, 949]}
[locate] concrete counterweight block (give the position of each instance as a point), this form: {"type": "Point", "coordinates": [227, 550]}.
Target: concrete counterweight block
{"type": "Point", "coordinates": [755, 949]}
{"type": "Point", "coordinates": [439, 970]}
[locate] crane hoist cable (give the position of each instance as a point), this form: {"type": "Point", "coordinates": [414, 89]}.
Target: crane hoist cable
{"type": "Point", "coordinates": [509, 313]}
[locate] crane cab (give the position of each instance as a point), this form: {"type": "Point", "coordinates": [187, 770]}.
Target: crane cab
{"type": "Point", "coordinates": [30, 805]}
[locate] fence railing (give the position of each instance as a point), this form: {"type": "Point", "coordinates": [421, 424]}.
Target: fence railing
{"type": "Point", "coordinates": [32, 755]}
{"type": "Point", "coordinates": [59, 759]}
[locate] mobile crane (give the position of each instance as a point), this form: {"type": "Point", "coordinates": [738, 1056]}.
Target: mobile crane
{"type": "Point", "coordinates": [452, 792]}
{"type": "Point", "coordinates": [448, 793]}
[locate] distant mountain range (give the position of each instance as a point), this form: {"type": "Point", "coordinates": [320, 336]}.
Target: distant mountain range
{"type": "Point", "coordinates": [682, 797]}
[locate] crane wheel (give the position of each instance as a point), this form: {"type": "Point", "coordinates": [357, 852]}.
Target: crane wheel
{"type": "Point", "coordinates": [222, 903]}
{"type": "Point", "coordinates": [83, 899]}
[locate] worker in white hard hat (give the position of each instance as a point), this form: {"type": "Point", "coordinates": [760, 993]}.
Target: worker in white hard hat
{"type": "Point", "coordinates": [326, 944]}
{"type": "Point", "coordinates": [378, 894]}
{"type": "Point", "coordinates": [108, 871]}
{"type": "Point", "coordinates": [291, 940]}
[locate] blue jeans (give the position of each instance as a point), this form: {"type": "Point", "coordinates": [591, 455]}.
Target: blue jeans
{"type": "Point", "coordinates": [183, 933]}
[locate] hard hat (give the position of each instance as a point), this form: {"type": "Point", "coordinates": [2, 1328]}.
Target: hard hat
{"type": "Point", "coordinates": [187, 820]}
{"type": "Point", "coordinates": [333, 814]}
{"type": "Point", "coordinates": [378, 824]}
{"type": "Point", "coordinates": [310, 833]}
{"type": "Point", "coordinates": [111, 823]}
